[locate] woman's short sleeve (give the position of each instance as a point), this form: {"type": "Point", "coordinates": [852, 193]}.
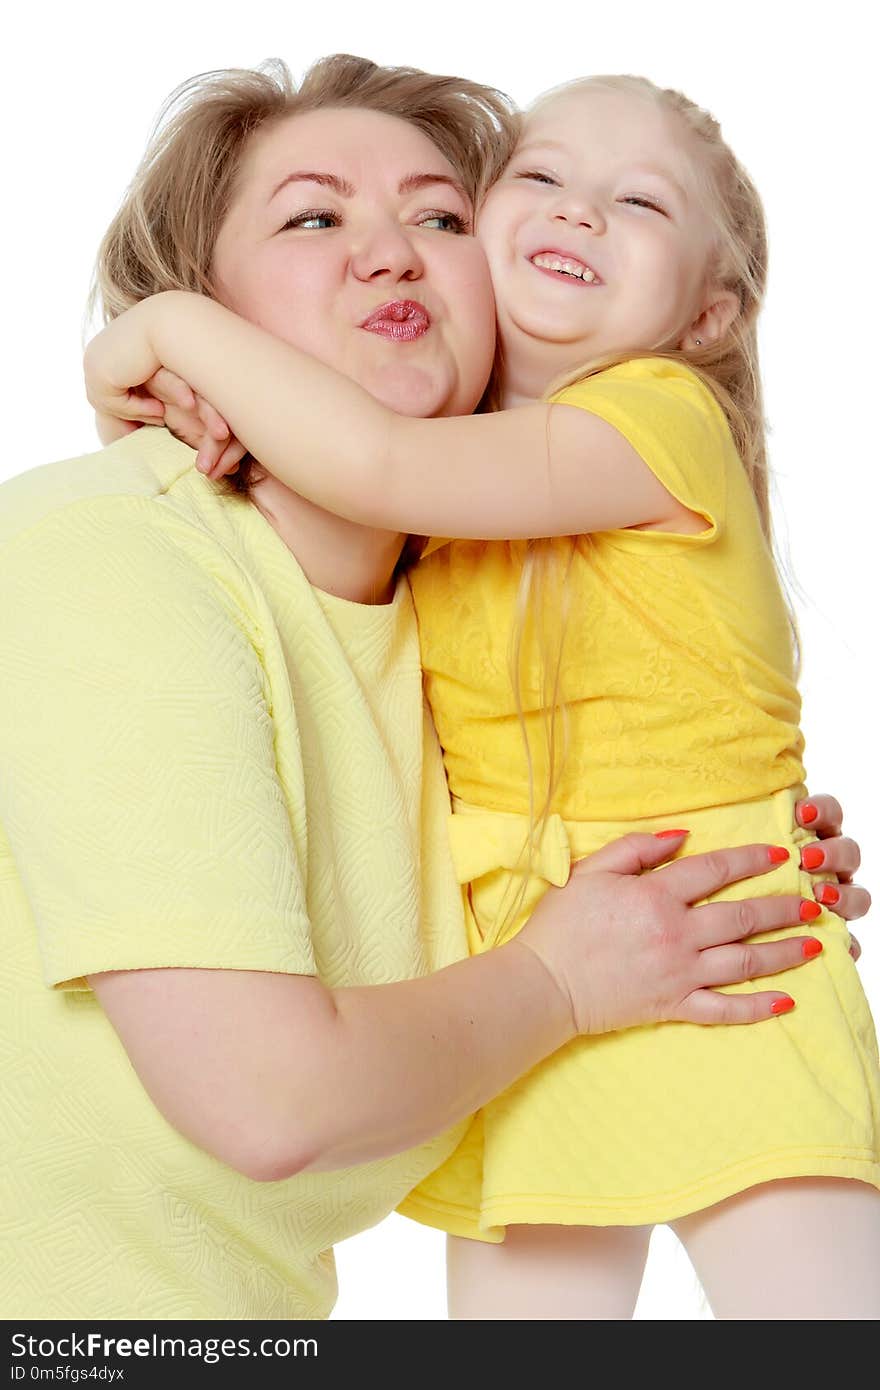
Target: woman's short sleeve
{"type": "Point", "coordinates": [676, 426]}
{"type": "Point", "coordinates": [138, 786]}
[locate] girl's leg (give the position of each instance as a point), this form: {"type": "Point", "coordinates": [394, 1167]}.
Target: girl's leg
{"type": "Point", "coordinates": [548, 1272]}
{"type": "Point", "coordinates": [797, 1248]}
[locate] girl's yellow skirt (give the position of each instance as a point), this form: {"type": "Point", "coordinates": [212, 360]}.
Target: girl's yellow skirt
{"type": "Point", "coordinates": [643, 1126]}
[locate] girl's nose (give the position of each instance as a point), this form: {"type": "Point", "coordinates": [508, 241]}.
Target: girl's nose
{"type": "Point", "coordinates": [387, 251]}
{"type": "Point", "coordinates": [579, 212]}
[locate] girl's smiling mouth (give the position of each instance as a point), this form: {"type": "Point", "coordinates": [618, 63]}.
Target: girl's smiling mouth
{"type": "Point", "coordinates": [563, 266]}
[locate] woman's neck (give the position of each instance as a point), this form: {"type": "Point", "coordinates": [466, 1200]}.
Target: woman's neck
{"type": "Point", "coordinates": [338, 556]}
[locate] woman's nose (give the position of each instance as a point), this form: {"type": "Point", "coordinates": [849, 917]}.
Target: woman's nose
{"type": "Point", "coordinates": [387, 251]}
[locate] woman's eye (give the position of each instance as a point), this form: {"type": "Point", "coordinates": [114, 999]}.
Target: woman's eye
{"type": "Point", "coordinates": [313, 220]}
{"type": "Point", "coordinates": [446, 222]}
{"type": "Point", "coordinates": [638, 201]}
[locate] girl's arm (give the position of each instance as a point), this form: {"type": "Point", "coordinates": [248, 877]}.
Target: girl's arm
{"type": "Point", "coordinates": [538, 470]}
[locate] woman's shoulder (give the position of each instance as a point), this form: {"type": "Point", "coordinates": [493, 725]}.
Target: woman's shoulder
{"type": "Point", "coordinates": [129, 524]}
{"type": "Point", "coordinates": [135, 470]}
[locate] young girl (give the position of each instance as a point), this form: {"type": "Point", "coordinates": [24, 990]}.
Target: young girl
{"type": "Point", "coordinates": [634, 665]}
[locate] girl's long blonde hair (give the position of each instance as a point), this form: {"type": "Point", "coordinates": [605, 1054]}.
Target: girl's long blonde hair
{"type": "Point", "coordinates": [163, 236]}
{"type": "Point", "coordinates": [730, 370]}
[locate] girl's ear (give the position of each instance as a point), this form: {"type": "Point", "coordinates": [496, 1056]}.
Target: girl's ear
{"type": "Point", "coordinates": [712, 324]}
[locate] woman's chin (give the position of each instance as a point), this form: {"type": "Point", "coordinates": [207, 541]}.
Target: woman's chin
{"type": "Point", "coordinates": [410, 390]}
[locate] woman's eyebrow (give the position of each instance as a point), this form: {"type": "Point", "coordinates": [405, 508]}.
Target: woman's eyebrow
{"type": "Point", "coordinates": [413, 182]}
{"type": "Point", "coordinates": [340, 186]}
{"type": "Point", "coordinates": [410, 184]}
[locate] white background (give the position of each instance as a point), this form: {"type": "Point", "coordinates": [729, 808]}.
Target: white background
{"type": "Point", "coordinates": [796, 93]}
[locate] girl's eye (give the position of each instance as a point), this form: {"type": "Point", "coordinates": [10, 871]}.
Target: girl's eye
{"type": "Point", "coordinates": [537, 176]}
{"type": "Point", "coordinates": [641, 202]}
{"type": "Point", "coordinates": [446, 222]}
{"type": "Point", "coordinates": [313, 220]}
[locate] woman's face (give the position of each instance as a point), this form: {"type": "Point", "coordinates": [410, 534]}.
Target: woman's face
{"type": "Point", "coordinates": [349, 236]}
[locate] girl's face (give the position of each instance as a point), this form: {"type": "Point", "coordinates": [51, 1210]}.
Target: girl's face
{"type": "Point", "coordinates": [348, 236]}
{"type": "Point", "coordinates": [596, 235]}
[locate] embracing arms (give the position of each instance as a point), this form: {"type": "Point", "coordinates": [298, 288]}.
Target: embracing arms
{"type": "Point", "coordinates": [276, 1074]}
{"type": "Point", "coordinates": [538, 470]}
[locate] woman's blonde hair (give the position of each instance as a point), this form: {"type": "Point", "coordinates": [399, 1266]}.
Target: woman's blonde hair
{"type": "Point", "coordinates": [163, 236]}
{"type": "Point", "coordinates": [730, 370]}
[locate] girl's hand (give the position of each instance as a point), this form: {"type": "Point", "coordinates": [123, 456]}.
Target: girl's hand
{"type": "Point", "coordinates": [117, 363]}
{"type": "Point", "coordinates": [126, 380]}
{"type": "Point", "coordinates": [194, 420]}
{"type": "Point", "coordinates": [627, 947]}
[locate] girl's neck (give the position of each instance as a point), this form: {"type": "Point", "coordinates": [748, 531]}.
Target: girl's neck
{"type": "Point", "coordinates": [338, 556]}
{"type": "Point", "coordinates": [529, 367]}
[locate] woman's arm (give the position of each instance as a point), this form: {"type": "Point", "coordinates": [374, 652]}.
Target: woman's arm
{"type": "Point", "coordinates": [538, 470]}
{"type": "Point", "coordinates": [275, 1074]}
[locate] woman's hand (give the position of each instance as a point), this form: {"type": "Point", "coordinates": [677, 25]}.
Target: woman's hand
{"type": "Point", "coordinates": [626, 947]}
{"type": "Point", "coordinates": [823, 816]}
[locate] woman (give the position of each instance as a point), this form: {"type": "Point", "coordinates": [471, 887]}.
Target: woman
{"type": "Point", "coordinates": [223, 810]}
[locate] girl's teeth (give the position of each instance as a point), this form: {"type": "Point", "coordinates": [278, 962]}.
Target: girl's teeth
{"type": "Point", "coordinates": [565, 266]}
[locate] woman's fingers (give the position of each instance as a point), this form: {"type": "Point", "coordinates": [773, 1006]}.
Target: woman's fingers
{"type": "Point", "coordinates": [718, 923]}
{"type": "Point", "coordinates": [855, 949]}
{"type": "Point", "coordinates": [700, 875]}
{"type": "Point", "coordinates": [846, 900]}
{"type": "Point", "coordinates": [748, 960]}
{"type": "Point", "coordinates": [631, 854]}
{"type": "Point", "coordinates": [820, 814]}
{"type": "Point", "coordinates": [841, 856]}
{"type": "Point", "coordinates": [838, 855]}
{"type": "Point", "coordinates": [708, 1006]}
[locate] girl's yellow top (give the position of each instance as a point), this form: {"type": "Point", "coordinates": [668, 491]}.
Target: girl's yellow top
{"type": "Point", "coordinates": [680, 709]}
{"type": "Point", "coordinates": [676, 677]}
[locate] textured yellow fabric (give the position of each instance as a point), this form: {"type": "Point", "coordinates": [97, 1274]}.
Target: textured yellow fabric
{"type": "Point", "coordinates": [682, 711]}
{"type": "Point", "coordinates": [205, 762]}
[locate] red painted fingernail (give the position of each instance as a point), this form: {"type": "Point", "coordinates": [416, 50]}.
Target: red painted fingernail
{"type": "Point", "coordinates": [777, 854]}
{"type": "Point", "coordinates": [812, 948]}
{"type": "Point", "coordinates": [808, 813]}
{"type": "Point", "coordinates": [828, 894]}
{"type": "Point", "coordinates": [809, 911]}
{"type": "Point", "coordinates": [782, 1006]}
{"type": "Point", "coordinates": [669, 834]}
{"type": "Point", "coordinates": [813, 857]}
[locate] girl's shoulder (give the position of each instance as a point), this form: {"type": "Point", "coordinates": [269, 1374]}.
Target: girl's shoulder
{"type": "Point", "coordinates": [655, 398]}
{"type": "Point", "coordinates": [653, 378]}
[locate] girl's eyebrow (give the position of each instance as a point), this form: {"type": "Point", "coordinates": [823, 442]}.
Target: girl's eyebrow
{"type": "Point", "coordinates": [637, 172]}
{"type": "Point", "coordinates": [410, 184]}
